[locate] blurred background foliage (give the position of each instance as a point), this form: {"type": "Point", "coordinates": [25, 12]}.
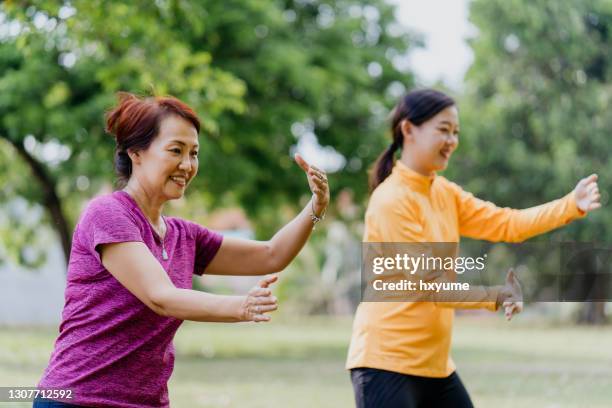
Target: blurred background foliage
{"type": "Point", "coordinates": [260, 74]}
{"type": "Point", "coordinates": [266, 77]}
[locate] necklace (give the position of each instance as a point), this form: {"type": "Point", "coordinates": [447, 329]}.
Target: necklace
{"type": "Point", "coordinates": [165, 225]}
{"type": "Point", "coordinates": [163, 239]}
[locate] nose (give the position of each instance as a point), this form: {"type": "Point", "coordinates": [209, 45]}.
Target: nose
{"type": "Point", "coordinates": [452, 139]}
{"type": "Point", "coordinates": [185, 164]}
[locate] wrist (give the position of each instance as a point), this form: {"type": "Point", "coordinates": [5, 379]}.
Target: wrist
{"type": "Point", "coordinates": [575, 205]}
{"type": "Point", "coordinates": [317, 208]}
{"type": "Point", "coordinates": [317, 213]}
{"type": "Point", "coordinates": [502, 295]}
{"type": "Point", "coordinates": [240, 308]}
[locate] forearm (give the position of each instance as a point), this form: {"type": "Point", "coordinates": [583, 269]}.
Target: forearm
{"type": "Point", "coordinates": [534, 221]}
{"type": "Point", "coordinates": [475, 297]}
{"type": "Point", "coordinates": [289, 240]}
{"type": "Point", "coordinates": [478, 297]}
{"type": "Point", "coordinates": [484, 220]}
{"type": "Point", "coordinates": [187, 304]}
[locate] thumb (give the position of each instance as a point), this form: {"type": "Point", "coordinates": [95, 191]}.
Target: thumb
{"type": "Point", "coordinates": [264, 283]}
{"type": "Point", "coordinates": [510, 276]}
{"type": "Point", "coordinates": [589, 179]}
{"type": "Point", "coordinates": [301, 162]}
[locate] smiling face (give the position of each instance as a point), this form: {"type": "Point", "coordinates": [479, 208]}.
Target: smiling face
{"type": "Point", "coordinates": [167, 166]}
{"type": "Point", "coordinates": [430, 145]}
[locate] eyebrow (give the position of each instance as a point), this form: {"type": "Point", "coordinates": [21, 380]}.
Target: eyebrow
{"type": "Point", "coordinates": [182, 143]}
{"type": "Point", "coordinates": [446, 122]}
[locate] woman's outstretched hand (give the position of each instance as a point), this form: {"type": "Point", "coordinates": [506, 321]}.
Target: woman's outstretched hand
{"type": "Point", "coordinates": [317, 181]}
{"type": "Point", "coordinates": [587, 194]}
{"type": "Point", "coordinates": [511, 295]}
{"type": "Point", "coordinates": [259, 301]}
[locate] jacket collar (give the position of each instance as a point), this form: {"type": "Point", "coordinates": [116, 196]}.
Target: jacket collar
{"type": "Point", "coordinates": [416, 181]}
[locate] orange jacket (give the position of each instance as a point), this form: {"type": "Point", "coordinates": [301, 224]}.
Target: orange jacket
{"type": "Point", "coordinates": [414, 337]}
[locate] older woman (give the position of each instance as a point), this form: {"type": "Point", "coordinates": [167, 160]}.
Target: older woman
{"type": "Point", "coordinates": [130, 271]}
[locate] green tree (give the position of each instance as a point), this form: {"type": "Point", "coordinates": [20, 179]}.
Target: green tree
{"type": "Point", "coordinates": [253, 70]}
{"type": "Point", "coordinates": [537, 106]}
{"type": "Point", "coordinates": [59, 75]}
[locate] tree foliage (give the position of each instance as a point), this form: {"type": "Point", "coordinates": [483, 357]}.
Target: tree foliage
{"type": "Point", "coordinates": [537, 102]}
{"type": "Point", "coordinates": [259, 74]}
{"type": "Point", "coordinates": [537, 107]}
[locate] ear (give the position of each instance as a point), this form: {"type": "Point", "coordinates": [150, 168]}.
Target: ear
{"type": "Point", "coordinates": [134, 156]}
{"type": "Point", "coordinates": [406, 128]}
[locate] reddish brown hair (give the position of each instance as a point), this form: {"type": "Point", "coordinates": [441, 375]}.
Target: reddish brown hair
{"type": "Point", "coordinates": [134, 123]}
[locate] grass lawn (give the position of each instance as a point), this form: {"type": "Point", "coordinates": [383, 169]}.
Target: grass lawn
{"type": "Point", "coordinates": [300, 364]}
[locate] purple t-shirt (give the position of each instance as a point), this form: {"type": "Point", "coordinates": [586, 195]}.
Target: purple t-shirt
{"type": "Point", "coordinates": [112, 350]}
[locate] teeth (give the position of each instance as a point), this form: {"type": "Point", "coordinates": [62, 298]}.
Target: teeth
{"type": "Point", "coordinates": [178, 179]}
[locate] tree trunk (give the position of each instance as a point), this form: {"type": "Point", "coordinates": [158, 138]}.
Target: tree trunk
{"type": "Point", "coordinates": [593, 313]}
{"type": "Point", "coordinates": [592, 283]}
{"type": "Point", "coordinates": [51, 200]}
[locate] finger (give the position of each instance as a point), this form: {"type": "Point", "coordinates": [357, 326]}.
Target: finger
{"type": "Point", "coordinates": [319, 183]}
{"type": "Point", "coordinates": [264, 283]}
{"type": "Point", "coordinates": [322, 178]}
{"type": "Point", "coordinates": [514, 280]}
{"type": "Point", "coordinates": [518, 308]}
{"type": "Point", "coordinates": [508, 314]}
{"type": "Point", "coordinates": [586, 180]}
{"type": "Point", "coordinates": [593, 206]}
{"type": "Point", "coordinates": [318, 176]}
{"type": "Point", "coordinates": [301, 162]}
{"type": "Point", "coordinates": [510, 276]}
{"type": "Point", "coordinates": [265, 300]}
{"type": "Point", "coordinates": [260, 309]}
{"type": "Point", "coordinates": [261, 318]}
{"type": "Point", "coordinates": [313, 175]}
{"type": "Point", "coordinates": [258, 291]}
{"type": "Point", "coordinates": [511, 310]}
{"type": "Point", "coordinates": [592, 187]}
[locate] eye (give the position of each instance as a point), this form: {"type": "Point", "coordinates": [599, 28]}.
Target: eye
{"type": "Point", "coordinates": [194, 154]}
{"type": "Point", "coordinates": [176, 150]}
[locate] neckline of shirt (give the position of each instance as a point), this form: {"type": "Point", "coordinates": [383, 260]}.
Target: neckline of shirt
{"type": "Point", "coordinates": [134, 205]}
{"type": "Point", "coordinates": [416, 180]}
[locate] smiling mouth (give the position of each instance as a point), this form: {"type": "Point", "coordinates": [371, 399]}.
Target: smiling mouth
{"type": "Point", "coordinates": [445, 153]}
{"type": "Point", "coordinates": [180, 181]}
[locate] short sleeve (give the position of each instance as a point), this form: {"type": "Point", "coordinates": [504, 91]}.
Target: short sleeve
{"type": "Point", "coordinates": [107, 221]}
{"type": "Point", "coordinates": [207, 244]}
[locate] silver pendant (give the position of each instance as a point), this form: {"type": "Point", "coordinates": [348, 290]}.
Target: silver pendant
{"type": "Point", "coordinates": [164, 254]}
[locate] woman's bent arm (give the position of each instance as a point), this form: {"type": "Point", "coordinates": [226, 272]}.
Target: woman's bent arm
{"type": "Point", "coordinates": [245, 257]}
{"type": "Point", "coordinates": [133, 265]}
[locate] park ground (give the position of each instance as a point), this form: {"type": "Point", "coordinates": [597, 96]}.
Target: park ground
{"type": "Point", "coordinates": [300, 363]}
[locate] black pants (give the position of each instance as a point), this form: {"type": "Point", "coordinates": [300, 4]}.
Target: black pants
{"type": "Point", "coordinates": [47, 403]}
{"type": "Point", "coordinates": [376, 388]}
